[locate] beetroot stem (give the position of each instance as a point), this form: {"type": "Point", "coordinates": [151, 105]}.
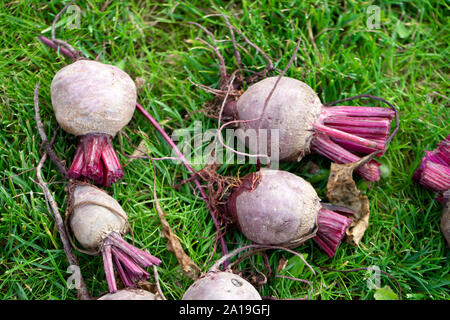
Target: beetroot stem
{"type": "Point", "coordinates": [128, 260]}
{"type": "Point", "coordinates": [96, 159]}
{"type": "Point", "coordinates": [144, 258]}
{"type": "Point", "coordinates": [122, 273]}
{"type": "Point", "coordinates": [109, 271]}
{"type": "Point", "coordinates": [331, 132]}
{"type": "Point", "coordinates": [331, 230]}
{"type": "Point", "coordinates": [360, 111]}
{"type": "Point", "coordinates": [324, 146]}
{"type": "Point", "coordinates": [436, 176]}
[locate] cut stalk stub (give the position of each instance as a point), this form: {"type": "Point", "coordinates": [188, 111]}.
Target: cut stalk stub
{"type": "Point", "coordinates": [98, 223]}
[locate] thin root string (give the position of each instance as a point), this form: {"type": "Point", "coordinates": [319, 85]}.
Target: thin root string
{"type": "Point", "coordinates": [237, 55]}
{"type": "Point", "coordinates": [222, 66]}
{"type": "Point", "coordinates": [75, 54]}
{"type": "Point", "coordinates": [82, 290]}
{"type": "Point", "coordinates": [219, 262]}
{"type": "Point", "coordinates": [311, 289]}
{"type": "Point", "coordinates": [269, 65]}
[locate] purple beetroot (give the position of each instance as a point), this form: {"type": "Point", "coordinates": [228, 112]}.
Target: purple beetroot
{"type": "Point", "coordinates": [275, 207]}
{"type": "Point", "coordinates": [342, 133]}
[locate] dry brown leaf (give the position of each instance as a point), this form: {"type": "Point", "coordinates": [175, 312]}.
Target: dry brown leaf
{"type": "Point", "coordinates": [282, 263]}
{"type": "Point", "coordinates": [139, 82]}
{"type": "Point", "coordinates": [342, 191]}
{"type": "Point", "coordinates": [140, 151]}
{"type": "Point", "coordinates": [190, 269]}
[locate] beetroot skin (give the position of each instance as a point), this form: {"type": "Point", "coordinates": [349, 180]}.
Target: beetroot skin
{"type": "Point", "coordinates": [343, 134]}
{"type": "Point", "coordinates": [276, 207]}
{"type": "Point", "coordinates": [221, 286]}
{"type": "Point", "coordinates": [129, 294]}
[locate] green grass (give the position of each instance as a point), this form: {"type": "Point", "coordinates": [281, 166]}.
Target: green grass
{"type": "Point", "coordinates": [404, 61]}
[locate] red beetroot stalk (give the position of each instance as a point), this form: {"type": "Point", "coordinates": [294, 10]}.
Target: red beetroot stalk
{"type": "Point", "coordinates": [96, 160]}
{"type": "Point", "coordinates": [142, 257]}
{"type": "Point", "coordinates": [331, 230]}
{"type": "Point", "coordinates": [351, 111]}
{"type": "Point", "coordinates": [361, 130]}
{"type": "Point", "coordinates": [435, 177]}
{"type": "Point", "coordinates": [351, 146]}
{"type": "Point", "coordinates": [93, 101]}
{"type": "Point", "coordinates": [434, 170]}
{"type": "Point", "coordinates": [324, 146]}
{"type": "Point", "coordinates": [108, 266]}
{"type": "Point", "coordinates": [128, 260]}
{"type": "Point", "coordinates": [134, 271]}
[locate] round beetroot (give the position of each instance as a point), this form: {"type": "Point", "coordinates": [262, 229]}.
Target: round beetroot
{"type": "Point", "coordinates": [93, 97]}
{"type": "Point", "coordinates": [303, 124]}
{"type": "Point", "coordinates": [276, 207]}
{"type": "Point", "coordinates": [293, 109]}
{"type": "Point", "coordinates": [92, 222]}
{"type": "Point", "coordinates": [129, 294]}
{"type": "Point", "coordinates": [93, 101]}
{"type": "Point", "coordinates": [221, 286]}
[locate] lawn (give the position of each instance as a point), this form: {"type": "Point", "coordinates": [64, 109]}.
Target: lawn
{"type": "Point", "coordinates": [345, 51]}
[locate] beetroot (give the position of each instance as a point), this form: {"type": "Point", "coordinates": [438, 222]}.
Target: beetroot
{"type": "Point", "coordinates": [342, 133]}
{"type": "Point", "coordinates": [93, 101]}
{"type": "Point", "coordinates": [98, 223]}
{"type": "Point", "coordinates": [220, 285]}
{"type": "Point", "coordinates": [129, 294]}
{"type": "Point", "coordinates": [276, 207]}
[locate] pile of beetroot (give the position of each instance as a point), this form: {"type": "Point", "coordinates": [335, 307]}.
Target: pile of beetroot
{"type": "Point", "coordinates": [272, 208]}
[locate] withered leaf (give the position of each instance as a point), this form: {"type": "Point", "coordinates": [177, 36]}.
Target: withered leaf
{"type": "Point", "coordinates": [139, 151]}
{"type": "Point", "coordinates": [342, 191]}
{"type": "Point", "coordinates": [190, 269]}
